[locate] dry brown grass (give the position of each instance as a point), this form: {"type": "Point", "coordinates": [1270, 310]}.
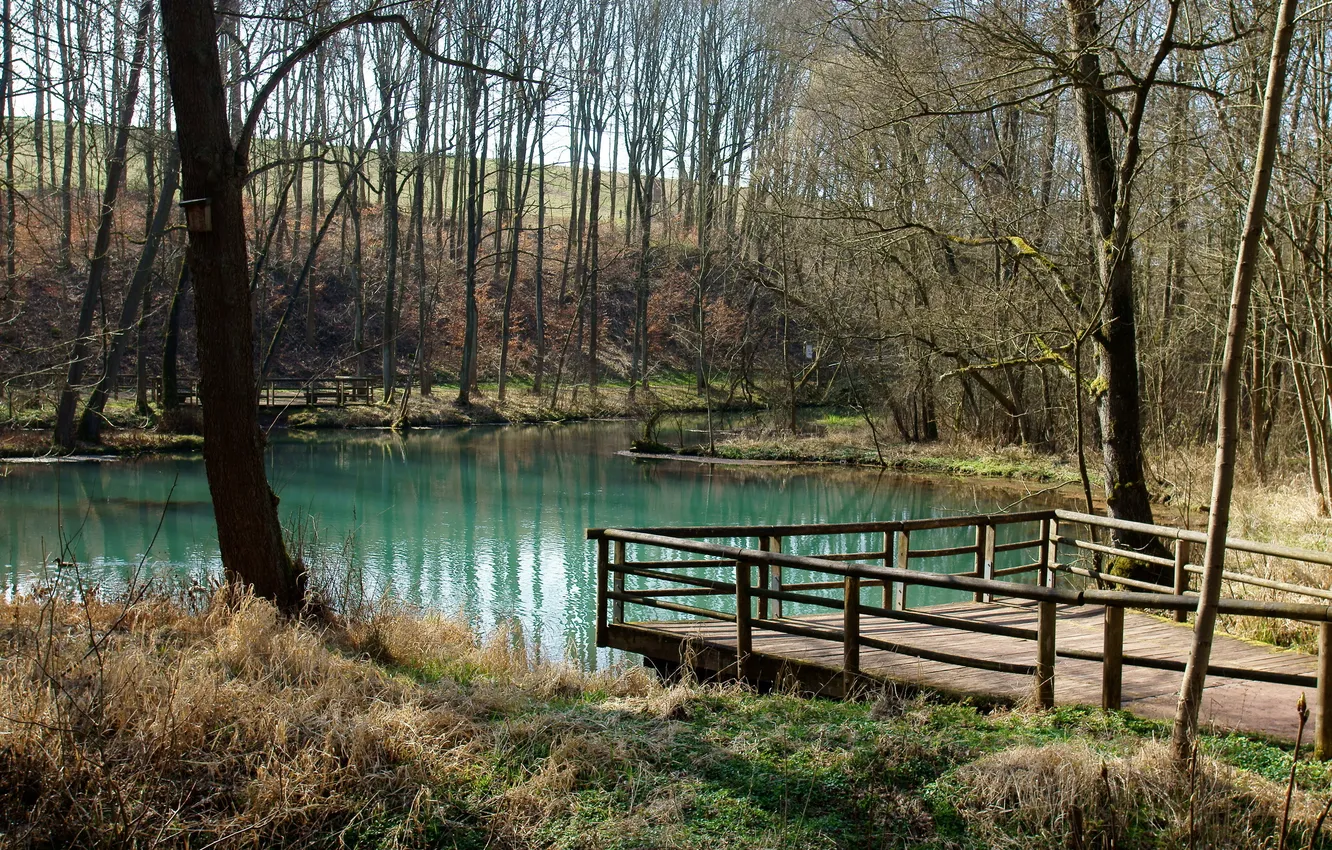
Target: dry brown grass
{"type": "Point", "coordinates": [153, 725]}
{"type": "Point", "coordinates": [1280, 510]}
{"type": "Point", "coordinates": [1070, 795]}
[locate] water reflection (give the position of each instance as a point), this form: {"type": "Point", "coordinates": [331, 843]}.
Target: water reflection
{"type": "Point", "coordinates": [486, 521]}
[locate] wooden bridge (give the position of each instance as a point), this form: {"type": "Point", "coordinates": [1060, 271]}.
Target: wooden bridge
{"type": "Point", "coordinates": [1006, 607]}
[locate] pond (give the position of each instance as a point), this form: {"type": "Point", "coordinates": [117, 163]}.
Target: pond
{"type": "Point", "coordinates": [486, 521]}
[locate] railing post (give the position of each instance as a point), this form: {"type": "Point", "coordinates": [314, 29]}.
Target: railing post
{"type": "Point", "coordinates": [1050, 551]}
{"type": "Point", "coordinates": [774, 544]}
{"type": "Point", "coordinates": [1183, 550]}
{"type": "Point", "coordinates": [764, 578]}
{"type": "Point", "coordinates": [617, 583]}
{"type": "Point", "coordinates": [1045, 655]}
{"type": "Point", "coordinates": [1112, 667]}
{"type": "Point", "coordinates": [903, 558]}
{"type": "Point", "coordinates": [744, 633]}
{"type": "Point", "coordinates": [979, 572]}
{"type": "Point", "coordinates": [1323, 722]}
{"type": "Point", "coordinates": [603, 557]}
{"type": "Point", "coordinates": [985, 534]}
{"type": "Point", "coordinates": [888, 562]}
{"type": "Point", "coordinates": [850, 631]}
{"type": "Point", "coordinates": [1044, 573]}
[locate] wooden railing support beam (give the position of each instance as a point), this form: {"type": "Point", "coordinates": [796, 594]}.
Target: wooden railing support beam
{"type": "Point", "coordinates": [764, 580]}
{"type": "Point", "coordinates": [985, 535]}
{"type": "Point", "coordinates": [772, 580]}
{"type": "Point", "coordinates": [1048, 560]}
{"type": "Point", "coordinates": [1183, 550]}
{"type": "Point", "coordinates": [1045, 654]}
{"type": "Point", "coordinates": [888, 562]}
{"type": "Point", "coordinates": [1323, 721]}
{"type": "Point", "coordinates": [617, 583]}
{"type": "Point", "coordinates": [603, 567]}
{"type": "Point", "coordinates": [902, 552]}
{"type": "Point", "coordinates": [1112, 666]}
{"type": "Point", "coordinates": [744, 624]}
{"type": "Point", "coordinates": [850, 632]}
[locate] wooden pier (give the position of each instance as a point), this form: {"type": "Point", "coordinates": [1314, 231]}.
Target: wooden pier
{"type": "Point", "coordinates": [1030, 618]}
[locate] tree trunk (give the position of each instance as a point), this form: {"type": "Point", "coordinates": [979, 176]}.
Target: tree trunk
{"type": "Point", "coordinates": [474, 215]}
{"type": "Point", "coordinates": [171, 341]}
{"type": "Point", "coordinates": [388, 182]}
{"type": "Point", "coordinates": [522, 182]}
{"type": "Point", "coordinates": [1232, 365]}
{"type": "Point", "coordinates": [1118, 402]}
{"type": "Point", "coordinates": [539, 273]}
{"type": "Point", "coordinates": [90, 424]}
{"type": "Point", "coordinates": [249, 534]}
{"type": "Point", "coordinates": [115, 169]}
{"type": "Point", "coordinates": [10, 127]}
{"type": "Point", "coordinates": [67, 167]}
{"type": "Point", "coordinates": [417, 227]}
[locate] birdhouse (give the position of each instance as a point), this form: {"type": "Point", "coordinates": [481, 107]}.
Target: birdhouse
{"type": "Point", "coordinates": [198, 215]}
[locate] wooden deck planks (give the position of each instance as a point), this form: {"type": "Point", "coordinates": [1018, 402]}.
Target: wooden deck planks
{"type": "Point", "coordinates": [1246, 706]}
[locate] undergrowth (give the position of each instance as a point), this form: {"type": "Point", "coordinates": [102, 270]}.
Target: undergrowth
{"type": "Point", "coordinates": [190, 722]}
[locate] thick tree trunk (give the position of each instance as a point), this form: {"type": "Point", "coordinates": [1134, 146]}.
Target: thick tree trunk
{"type": "Point", "coordinates": [1118, 400]}
{"type": "Point", "coordinates": [249, 534]}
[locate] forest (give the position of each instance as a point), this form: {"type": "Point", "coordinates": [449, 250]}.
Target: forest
{"type": "Point", "coordinates": [1008, 221]}
{"type": "Point", "coordinates": [1090, 232]}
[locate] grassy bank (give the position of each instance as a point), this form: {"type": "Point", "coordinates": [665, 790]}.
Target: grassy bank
{"type": "Point", "coordinates": [159, 724]}
{"type": "Point", "coordinates": [833, 438]}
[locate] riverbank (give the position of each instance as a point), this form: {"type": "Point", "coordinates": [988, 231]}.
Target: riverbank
{"type": "Point", "coordinates": [832, 438]}
{"type": "Point", "coordinates": [962, 461]}
{"type": "Point", "coordinates": [36, 444]}
{"type": "Point", "coordinates": [204, 725]}
{"type": "Point", "coordinates": [27, 431]}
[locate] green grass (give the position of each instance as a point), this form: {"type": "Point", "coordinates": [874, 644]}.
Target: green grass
{"type": "Point", "coordinates": [749, 771]}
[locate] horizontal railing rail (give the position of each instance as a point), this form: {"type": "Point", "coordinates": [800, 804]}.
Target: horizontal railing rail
{"type": "Point", "coordinates": [339, 389]}
{"type": "Point", "coordinates": [752, 583]}
{"type": "Point", "coordinates": [732, 555]}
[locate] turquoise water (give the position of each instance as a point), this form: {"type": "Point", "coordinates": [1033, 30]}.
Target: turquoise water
{"type": "Point", "coordinates": [487, 521]}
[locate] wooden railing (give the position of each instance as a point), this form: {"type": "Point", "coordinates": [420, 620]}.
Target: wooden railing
{"type": "Point", "coordinates": [335, 390]}
{"type": "Point", "coordinates": [750, 582]}
{"type": "Point", "coordinates": [339, 390]}
{"type": "Point", "coordinates": [187, 391]}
